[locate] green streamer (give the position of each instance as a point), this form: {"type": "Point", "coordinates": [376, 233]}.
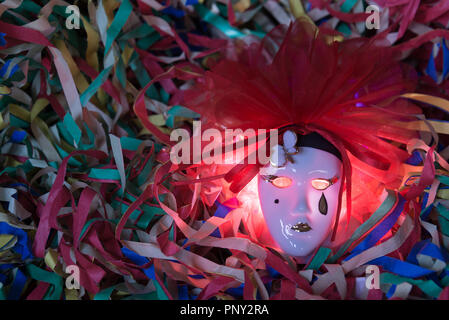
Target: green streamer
{"type": "Point", "coordinates": [218, 22]}
{"type": "Point", "coordinates": [95, 85]}
{"type": "Point", "coordinates": [55, 291]}
{"type": "Point", "coordinates": [384, 208]}
{"type": "Point", "coordinates": [319, 258]}
{"type": "Point", "coordinates": [117, 24]}
{"type": "Point", "coordinates": [427, 286]}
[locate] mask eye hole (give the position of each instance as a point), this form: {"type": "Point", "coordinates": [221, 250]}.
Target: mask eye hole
{"type": "Point", "coordinates": [282, 182]}
{"type": "Point", "coordinates": [321, 184]}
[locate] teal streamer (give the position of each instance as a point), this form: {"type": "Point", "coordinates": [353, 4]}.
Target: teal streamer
{"type": "Point", "coordinates": [95, 85]}
{"type": "Point", "coordinates": [117, 24]}
{"type": "Point", "coordinates": [218, 22]}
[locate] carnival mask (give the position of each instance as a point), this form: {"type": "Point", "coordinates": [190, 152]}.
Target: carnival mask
{"type": "Point", "coordinates": [299, 192]}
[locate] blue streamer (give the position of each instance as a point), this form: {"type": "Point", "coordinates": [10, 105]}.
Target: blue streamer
{"type": "Point", "coordinates": [415, 159]}
{"type": "Point", "coordinates": [401, 268]}
{"type": "Point", "coordinates": [378, 232]}
{"type": "Point", "coordinates": [183, 293]}
{"type": "Point", "coordinates": [431, 69]}
{"type": "Point", "coordinates": [18, 136]}
{"type": "Point", "coordinates": [16, 184]}
{"type": "Point", "coordinates": [425, 247]}
{"type": "Point", "coordinates": [174, 12]}
{"type": "Point", "coordinates": [425, 198]}
{"type": "Point", "coordinates": [5, 67]}
{"type": "Point", "coordinates": [196, 276]}
{"type": "Point", "coordinates": [21, 246]}
{"type": "Point", "coordinates": [445, 59]}
{"type": "Point", "coordinates": [2, 39]}
{"type": "Point", "coordinates": [426, 212]}
{"type": "Point", "coordinates": [273, 273]}
{"type": "Point", "coordinates": [391, 291]}
{"type": "Point", "coordinates": [221, 212]}
{"type": "Point", "coordinates": [140, 261]}
{"type": "Point", "coordinates": [236, 291]}
{"type": "Point", "coordinates": [17, 286]}
{"type": "Point", "coordinates": [6, 266]}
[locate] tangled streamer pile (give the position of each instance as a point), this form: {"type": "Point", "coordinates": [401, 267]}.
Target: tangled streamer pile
{"type": "Point", "coordinates": [89, 93]}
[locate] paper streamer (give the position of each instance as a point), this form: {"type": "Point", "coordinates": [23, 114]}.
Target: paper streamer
{"type": "Point", "coordinates": [86, 180]}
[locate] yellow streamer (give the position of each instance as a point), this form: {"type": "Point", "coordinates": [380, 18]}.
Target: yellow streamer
{"type": "Point", "coordinates": [19, 112]}
{"type": "Point", "coordinates": [71, 294]}
{"type": "Point", "coordinates": [443, 194]}
{"type": "Point", "coordinates": [109, 7]}
{"type": "Point", "coordinates": [126, 55]}
{"type": "Point", "coordinates": [5, 90]}
{"type": "Point", "coordinates": [438, 126]}
{"type": "Point", "coordinates": [93, 41]}
{"type": "Point", "coordinates": [3, 124]}
{"type": "Point", "coordinates": [51, 259]}
{"type": "Point", "coordinates": [7, 241]}
{"type": "Point", "coordinates": [80, 81]}
{"type": "Point", "coordinates": [436, 101]}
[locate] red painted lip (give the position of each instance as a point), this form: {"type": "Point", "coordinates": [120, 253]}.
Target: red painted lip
{"type": "Point", "coordinates": [301, 227]}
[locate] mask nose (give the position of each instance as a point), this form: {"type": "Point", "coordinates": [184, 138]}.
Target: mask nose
{"type": "Point", "coordinates": [301, 207]}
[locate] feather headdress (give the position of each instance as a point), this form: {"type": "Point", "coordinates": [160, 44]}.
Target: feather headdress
{"type": "Point", "coordinates": [298, 78]}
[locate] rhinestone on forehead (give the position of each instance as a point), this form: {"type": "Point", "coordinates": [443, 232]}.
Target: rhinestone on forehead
{"type": "Point", "coordinates": [281, 153]}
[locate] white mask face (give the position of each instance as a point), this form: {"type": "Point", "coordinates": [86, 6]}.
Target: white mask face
{"type": "Point", "coordinates": [299, 200]}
